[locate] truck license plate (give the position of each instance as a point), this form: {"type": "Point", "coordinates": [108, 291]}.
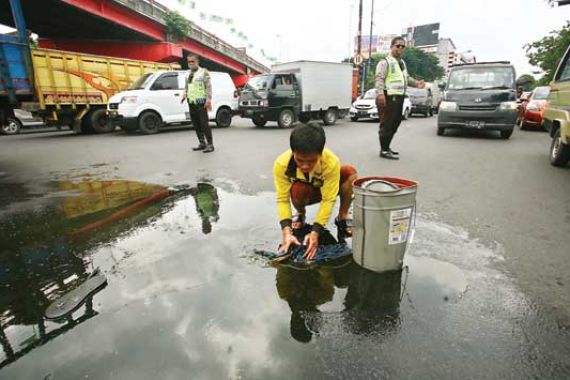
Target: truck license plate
{"type": "Point", "coordinates": [476, 124]}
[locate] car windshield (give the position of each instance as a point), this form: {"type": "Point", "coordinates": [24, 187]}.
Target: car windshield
{"type": "Point", "coordinates": [481, 78]}
{"type": "Point", "coordinates": [417, 92]}
{"type": "Point", "coordinates": [140, 83]}
{"type": "Point", "coordinates": [258, 83]}
{"type": "Point", "coordinates": [541, 93]}
{"type": "Point", "coordinates": [370, 94]}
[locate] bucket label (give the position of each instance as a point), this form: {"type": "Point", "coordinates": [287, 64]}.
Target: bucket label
{"type": "Point", "coordinates": [399, 226]}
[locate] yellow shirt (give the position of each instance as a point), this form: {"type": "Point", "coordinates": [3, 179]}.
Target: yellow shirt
{"type": "Point", "coordinates": [325, 175]}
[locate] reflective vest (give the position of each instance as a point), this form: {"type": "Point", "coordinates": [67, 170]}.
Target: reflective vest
{"type": "Point", "coordinates": [396, 79]}
{"type": "Point", "coordinates": [196, 91]}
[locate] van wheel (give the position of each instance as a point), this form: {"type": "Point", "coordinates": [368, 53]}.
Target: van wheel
{"type": "Point", "coordinates": [149, 123]}
{"type": "Point", "coordinates": [440, 131]}
{"type": "Point", "coordinates": [99, 121]}
{"type": "Point", "coordinates": [223, 118]}
{"type": "Point", "coordinates": [12, 127]}
{"type": "Point", "coordinates": [506, 134]}
{"type": "Point", "coordinates": [559, 152]}
{"type": "Point", "coordinates": [330, 117]}
{"type": "Point", "coordinates": [258, 122]}
{"type": "Point", "coordinates": [286, 119]}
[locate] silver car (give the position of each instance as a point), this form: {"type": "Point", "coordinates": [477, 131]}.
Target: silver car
{"type": "Point", "coordinates": [23, 119]}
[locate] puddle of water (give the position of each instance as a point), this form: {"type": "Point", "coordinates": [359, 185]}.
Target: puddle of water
{"type": "Point", "coordinates": [187, 298]}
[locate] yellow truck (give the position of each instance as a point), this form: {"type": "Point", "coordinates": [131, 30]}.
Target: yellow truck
{"type": "Point", "coordinates": [67, 88]}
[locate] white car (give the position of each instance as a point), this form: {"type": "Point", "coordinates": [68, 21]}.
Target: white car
{"type": "Point", "coordinates": [155, 100]}
{"type": "Point", "coordinates": [23, 119]}
{"type": "Point", "coordinates": [365, 107]}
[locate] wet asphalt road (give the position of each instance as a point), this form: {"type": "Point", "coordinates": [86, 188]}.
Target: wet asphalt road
{"type": "Point", "coordinates": [486, 296]}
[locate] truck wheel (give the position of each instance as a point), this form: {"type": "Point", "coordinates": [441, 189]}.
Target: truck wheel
{"type": "Point", "coordinates": [99, 121]}
{"type": "Point", "coordinates": [258, 122]}
{"type": "Point", "coordinates": [440, 131]}
{"type": "Point", "coordinates": [12, 127]}
{"type": "Point", "coordinates": [330, 117]}
{"type": "Point", "coordinates": [149, 123]}
{"type": "Point", "coordinates": [223, 118]}
{"type": "Point", "coordinates": [559, 152]}
{"type": "Point", "coordinates": [506, 134]}
{"type": "Point", "coordinates": [304, 118]}
{"type": "Point", "coordinates": [286, 119]}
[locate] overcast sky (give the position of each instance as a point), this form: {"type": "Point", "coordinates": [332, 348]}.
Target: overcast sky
{"type": "Point", "coordinates": [324, 29]}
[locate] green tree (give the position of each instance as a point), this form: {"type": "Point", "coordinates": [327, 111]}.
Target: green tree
{"type": "Point", "coordinates": [422, 65]}
{"type": "Point", "coordinates": [547, 52]}
{"type": "Point", "coordinates": [177, 26]}
{"type": "Point", "coordinates": [526, 82]}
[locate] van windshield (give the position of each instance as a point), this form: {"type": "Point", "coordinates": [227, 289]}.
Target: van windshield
{"type": "Point", "coordinates": [258, 83]}
{"type": "Point", "coordinates": [481, 78]}
{"type": "Point", "coordinates": [140, 83]}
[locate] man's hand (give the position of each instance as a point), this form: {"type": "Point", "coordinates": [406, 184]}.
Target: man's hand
{"type": "Point", "coordinates": [421, 84]}
{"type": "Point", "coordinates": [381, 101]}
{"type": "Point", "coordinates": [312, 243]}
{"type": "Point", "coordinates": [208, 105]}
{"type": "Point", "coordinates": [287, 240]}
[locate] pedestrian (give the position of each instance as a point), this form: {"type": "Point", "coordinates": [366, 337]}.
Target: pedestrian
{"type": "Point", "coordinates": [306, 174]}
{"type": "Point", "coordinates": [198, 93]}
{"type": "Point", "coordinates": [392, 80]}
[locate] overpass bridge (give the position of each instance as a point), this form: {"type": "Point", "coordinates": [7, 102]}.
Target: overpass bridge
{"type": "Point", "coordinates": [134, 29]}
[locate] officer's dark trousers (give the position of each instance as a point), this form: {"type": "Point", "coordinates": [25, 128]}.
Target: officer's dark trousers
{"type": "Point", "coordinates": [390, 119]}
{"type": "Point", "coordinates": [199, 117]}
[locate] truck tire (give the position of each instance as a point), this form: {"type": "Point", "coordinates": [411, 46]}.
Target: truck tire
{"type": "Point", "coordinates": [258, 122]}
{"type": "Point", "coordinates": [286, 119]}
{"type": "Point", "coordinates": [440, 131]}
{"type": "Point", "coordinates": [506, 134]}
{"type": "Point", "coordinates": [223, 118]}
{"type": "Point", "coordinates": [149, 122]}
{"type": "Point", "coordinates": [559, 152]}
{"type": "Point", "coordinates": [330, 116]}
{"type": "Point", "coordinates": [99, 121]}
{"type": "Point", "coordinates": [12, 127]}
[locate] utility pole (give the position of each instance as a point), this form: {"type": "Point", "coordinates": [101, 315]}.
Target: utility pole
{"type": "Point", "coordinates": [359, 39]}
{"type": "Point", "coordinates": [370, 44]}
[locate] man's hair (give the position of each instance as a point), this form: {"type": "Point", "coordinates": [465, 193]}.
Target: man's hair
{"type": "Point", "coordinates": [396, 39]}
{"type": "Point", "coordinates": [193, 56]}
{"type": "Point", "coordinates": [307, 138]}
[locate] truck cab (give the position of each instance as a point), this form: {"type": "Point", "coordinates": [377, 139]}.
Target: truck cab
{"type": "Point", "coordinates": [271, 97]}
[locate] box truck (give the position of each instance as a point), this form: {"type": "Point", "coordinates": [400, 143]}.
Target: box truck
{"type": "Point", "coordinates": [298, 91]}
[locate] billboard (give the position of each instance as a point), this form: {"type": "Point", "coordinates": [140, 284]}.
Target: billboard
{"type": "Point", "coordinates": [365, 44]}
{"type": "Point", "coordinates": [422, 35]}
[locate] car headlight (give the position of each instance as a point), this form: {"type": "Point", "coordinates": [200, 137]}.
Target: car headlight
{"type": "Point", "coordinates": [509, 105]}
{"type": "Point", "coordinates": [129, 99]}
{"type": "Point", "coordinates": [448, 106]}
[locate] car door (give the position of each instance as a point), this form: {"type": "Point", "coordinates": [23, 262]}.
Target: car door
{"type": "Point", "coordinates": [166, 94]}
{"type": "Point", "coordinates": [282, 92]}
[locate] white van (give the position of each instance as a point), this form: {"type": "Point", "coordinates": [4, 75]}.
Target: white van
{"type": "Point", "coordinates": [154, 100]}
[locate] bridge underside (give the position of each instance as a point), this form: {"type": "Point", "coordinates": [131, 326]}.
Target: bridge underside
{"type": "Point", "coordinates": [107, 28]}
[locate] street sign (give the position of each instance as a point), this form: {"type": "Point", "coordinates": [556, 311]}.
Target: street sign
{"type": "Point", "coordinates": [357, 60]}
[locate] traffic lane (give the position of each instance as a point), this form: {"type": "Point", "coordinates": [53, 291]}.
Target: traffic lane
{"type": "Point", "coordinates": [503, 192]}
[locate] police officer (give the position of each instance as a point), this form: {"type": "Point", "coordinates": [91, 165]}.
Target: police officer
{"type": "Point", "coordinates": [198, 93]}
{"type": "Point", "coordinates": [392, 80]}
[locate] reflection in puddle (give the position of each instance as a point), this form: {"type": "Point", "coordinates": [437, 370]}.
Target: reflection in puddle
{"type": "Point", "coordinates": [185, 299]}
{"type": "Point", "coordinates": [43, 250]}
